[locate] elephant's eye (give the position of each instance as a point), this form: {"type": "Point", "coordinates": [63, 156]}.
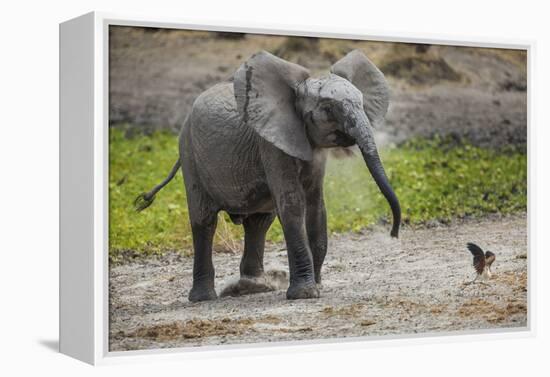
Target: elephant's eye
{"type": "Point", "coordinates": [328, 111]}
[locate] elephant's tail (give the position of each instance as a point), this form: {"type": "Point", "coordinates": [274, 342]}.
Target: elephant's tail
{"type": "Point", "coordinates": [145, 199]}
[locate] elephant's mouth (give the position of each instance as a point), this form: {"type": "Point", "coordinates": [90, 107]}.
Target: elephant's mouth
{"type": "Point", "coordinates": [342, 139]}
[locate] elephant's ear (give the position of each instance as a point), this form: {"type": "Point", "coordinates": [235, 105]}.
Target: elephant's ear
{"type": "Point", "coordinates": [365, 76]}
{"type": "Point", "coordinates": [265, 91]}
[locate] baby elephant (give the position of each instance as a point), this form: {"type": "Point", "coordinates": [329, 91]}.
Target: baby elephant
{"type": "Point", "coordinates": [256, 148]}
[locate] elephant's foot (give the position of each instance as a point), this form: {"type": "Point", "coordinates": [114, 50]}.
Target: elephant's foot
{"type": "Point", "coordinates": [270, 281]}
{"type": "Point", "coordinates": [202, 293]}
{"type": "Point", "coordinates": [302, 290]}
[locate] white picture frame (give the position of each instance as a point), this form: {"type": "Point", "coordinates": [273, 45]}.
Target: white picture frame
{"type": "Point", "coordinates": [84, 191]}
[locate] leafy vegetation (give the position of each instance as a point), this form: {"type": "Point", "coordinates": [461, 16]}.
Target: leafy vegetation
{"type": "Point", "coordinates": [434, 180]}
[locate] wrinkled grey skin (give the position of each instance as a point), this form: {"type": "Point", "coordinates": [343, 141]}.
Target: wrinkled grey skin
{"type": "Point", "coordinates": [256, 148]}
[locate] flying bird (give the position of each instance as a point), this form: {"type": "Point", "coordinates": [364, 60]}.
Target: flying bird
{"type": "Point", "coordinates": [482, 261]}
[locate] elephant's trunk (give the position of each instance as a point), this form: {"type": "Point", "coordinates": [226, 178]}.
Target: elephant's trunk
{"type": "Point", "coordinates": [358, 126]}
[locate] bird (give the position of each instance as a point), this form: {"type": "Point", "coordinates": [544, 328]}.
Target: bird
{"type": "Point", "coordinates": [482, 261]}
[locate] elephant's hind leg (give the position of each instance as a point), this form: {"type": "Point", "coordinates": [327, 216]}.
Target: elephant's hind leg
{"type": "Point", "coordinates": [203, 268]}
{"type": "Point", "coordinates": [255, 229]}
{"type": "Point", "coordinates": [253, 279]}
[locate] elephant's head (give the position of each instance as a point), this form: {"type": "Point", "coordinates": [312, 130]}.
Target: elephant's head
{"type": "Point", "coordinates": [298, 113]}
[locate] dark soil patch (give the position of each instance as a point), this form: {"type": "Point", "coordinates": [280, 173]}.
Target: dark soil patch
{"type": "Point", "coordinates": [510, 85]}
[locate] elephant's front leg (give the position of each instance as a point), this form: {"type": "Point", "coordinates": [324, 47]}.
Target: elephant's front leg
{"type": "Point", "coordinates": [291, 207]}
{"type": "Point", "coordinates": [316, 226]}
{"type": "Point", "coordinates": [283, 177]}
{"type": "Point", "coordinates": [255, 229]}
{"type": "Point", "coordinates": [300, 259]}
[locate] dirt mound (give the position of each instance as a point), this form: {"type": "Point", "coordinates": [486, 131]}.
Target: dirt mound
{"type": "Point", "coordinates": [421, 70]}
{"type": "Point", "coordinates": [297, 45]}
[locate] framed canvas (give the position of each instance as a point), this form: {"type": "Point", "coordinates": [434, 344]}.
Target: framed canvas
{"type": "Point", "coordinates": [235, 189]}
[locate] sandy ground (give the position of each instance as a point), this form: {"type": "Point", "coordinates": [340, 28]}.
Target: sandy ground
{"type": "Point", "coordinates": [372, 285]}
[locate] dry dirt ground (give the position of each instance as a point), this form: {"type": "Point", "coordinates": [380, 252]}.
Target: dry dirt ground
{"type": "Point", "coordinates": [372, 285]}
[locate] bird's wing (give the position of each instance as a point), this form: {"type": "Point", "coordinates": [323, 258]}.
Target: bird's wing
{"type": "Point", "coordinates": [489, 258]}
{"type": "Point", "coordinates": [479, 257]}
{"type": "Point", "coordinates": [474, 249]}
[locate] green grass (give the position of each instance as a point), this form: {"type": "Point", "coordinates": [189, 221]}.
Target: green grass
{"type": "Point", "coordinates": [432, 178]}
